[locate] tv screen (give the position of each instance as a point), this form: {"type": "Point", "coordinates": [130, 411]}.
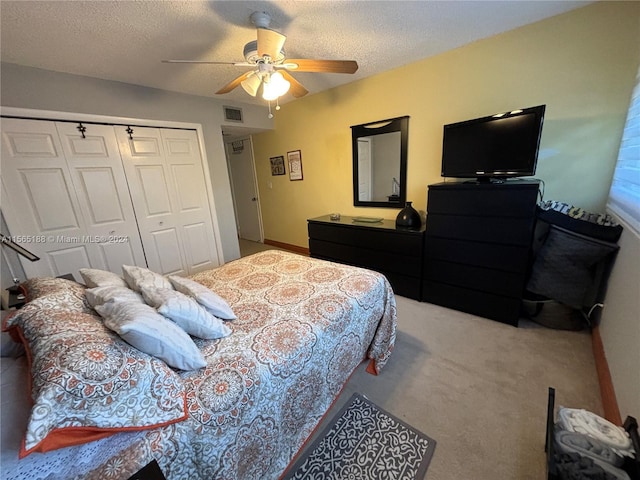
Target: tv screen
{"type": "Point", "coordinates": [498, 146]}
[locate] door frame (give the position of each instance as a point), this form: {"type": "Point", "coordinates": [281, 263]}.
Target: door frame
{"type": "Point", "coordinates": [13, 217]}
{"type": "Point", "coordinates": [255, 181]}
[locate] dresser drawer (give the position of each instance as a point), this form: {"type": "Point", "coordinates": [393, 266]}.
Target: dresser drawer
{"type": "Point", "coordinates": [505, 230]}
{"type": "Point", "coordinates": [509, 258]}
{"type": "Point", "coordinates": [495, 307]}
{"type": "Point", "coordinates": [402, 262]}
{"type": "Point", "coordinates": [483, 279]}
{"type": "Point", "coordinates": [371, 238]}
{"type": "Point", "coordinates": [481, 200]}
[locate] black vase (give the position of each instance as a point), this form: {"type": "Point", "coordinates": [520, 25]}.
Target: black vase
{"type": "Point", "coordinates": [408, 217]}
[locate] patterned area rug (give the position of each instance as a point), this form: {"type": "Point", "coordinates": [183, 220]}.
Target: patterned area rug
{"type": "Point", "coordinates": [364, 442]}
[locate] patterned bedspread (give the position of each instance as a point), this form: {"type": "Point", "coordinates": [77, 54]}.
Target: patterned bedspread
{"type": "Point", "coordinates": [303, 326]}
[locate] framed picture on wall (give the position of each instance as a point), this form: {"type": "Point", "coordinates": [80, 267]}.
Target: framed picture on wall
{"type": "Point", "coordinates": [277, 165]}
{"type": "Point", "coordinates": [295, 165]}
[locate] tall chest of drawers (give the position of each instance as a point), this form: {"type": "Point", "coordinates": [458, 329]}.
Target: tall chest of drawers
{"type": "Point", "coordinates": [477, 246]}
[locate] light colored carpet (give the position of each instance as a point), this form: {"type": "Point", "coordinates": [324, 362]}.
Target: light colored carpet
{"type": "Point", "coordinates": [479, 388]}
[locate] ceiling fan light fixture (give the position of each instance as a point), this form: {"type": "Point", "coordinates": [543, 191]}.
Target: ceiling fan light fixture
{"type": "Point", "coordinates": [251, 54]}
{"type": "Point", "coordinates": [251, 84]}
{"type": "Point", "coordinates": [275, 86]}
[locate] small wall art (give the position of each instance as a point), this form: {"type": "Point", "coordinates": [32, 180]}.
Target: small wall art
{"type": "Point", "coordinates": [295, 165]}
{"type": "Point", "coordinates": [277, 165]}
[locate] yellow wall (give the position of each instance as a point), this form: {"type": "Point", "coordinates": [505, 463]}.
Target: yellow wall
{"type": "Point", "coordinates": [581, 64]}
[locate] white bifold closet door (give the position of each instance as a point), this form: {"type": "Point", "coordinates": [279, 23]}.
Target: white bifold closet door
{"type": "Point", "coordinates": [65, 197]}
{"type": "Point", "coordinates": [166, 180]}
{"type": "Point", "coordinates": [106, 199]}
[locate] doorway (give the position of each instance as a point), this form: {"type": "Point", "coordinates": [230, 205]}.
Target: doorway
{"type": "Point", "coordinates": [244, 188]}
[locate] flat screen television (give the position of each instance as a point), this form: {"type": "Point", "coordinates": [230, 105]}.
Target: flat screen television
{"type": "Point", "coordinates": [495, 147]}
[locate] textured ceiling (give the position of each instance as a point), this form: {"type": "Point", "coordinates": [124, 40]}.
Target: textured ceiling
{"type": "Point", "coordinates": [126, 40]}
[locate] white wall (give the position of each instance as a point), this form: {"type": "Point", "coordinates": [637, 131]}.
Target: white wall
{"type": "Point", "coordinates": [620, 324]}
{"type": "Point", "coordinates": [26, 87]}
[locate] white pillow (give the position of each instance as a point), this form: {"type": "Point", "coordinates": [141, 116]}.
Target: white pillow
{"type": "Point", "coordinates": [205, 297]}
{"type": "Point", "coordinates": [142, 327]}
{"type": "Point", "coordinates": [186, 312]}
{"type": "Point", "coordinates": [98, 278]}
{"type": "Point", "coordinates": [99, 295]}
{"type": "Point", "coordinates": [137, 277]}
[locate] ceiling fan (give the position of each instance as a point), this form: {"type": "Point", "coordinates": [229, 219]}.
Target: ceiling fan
{"type": "Point", "coordinates": [270, 68]}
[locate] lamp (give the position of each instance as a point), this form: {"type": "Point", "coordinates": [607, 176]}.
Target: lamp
{"type": "Point", "coordinates": [251, 84]}
{"type": "Point", "coordinates": [275, 86]}
{"type": "Point", "coordinates": [6, 241]}
{"type": "Point", "coordinates": [17, 248]}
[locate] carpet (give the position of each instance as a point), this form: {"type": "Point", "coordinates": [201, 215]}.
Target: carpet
{"type": "Point", "coordinates": [365, 442]}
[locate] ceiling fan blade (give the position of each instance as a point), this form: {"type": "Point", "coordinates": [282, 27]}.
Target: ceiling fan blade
{"type": "Point", "coordinates": [296, 89]}
{"type": "Point", "coordinates": [270, 42]}
{"type": "Point", "coordinates": [234, 83]}
{"type": "Point", "coordinates": [330, 66]}
{"type": "Point", "coordinates": [235, 64]}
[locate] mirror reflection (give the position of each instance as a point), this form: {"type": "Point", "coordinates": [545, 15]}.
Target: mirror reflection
{"type": "Point", "coordinates": [379, 163]}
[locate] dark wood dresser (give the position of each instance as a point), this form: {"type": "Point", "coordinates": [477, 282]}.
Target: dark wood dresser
{"type": "Point", "coordinates": [394, 252]}
{"type": "Point", "coordinates": [477, 246]}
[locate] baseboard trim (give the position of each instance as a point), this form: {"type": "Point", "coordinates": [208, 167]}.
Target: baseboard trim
{"type": "Point", "coordinates": [607, 392]}
{"type": "Point", "coordinates": [288, 246]}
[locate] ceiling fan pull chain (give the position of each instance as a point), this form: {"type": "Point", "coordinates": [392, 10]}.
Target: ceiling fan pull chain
{"type": "Point", "coordinates": [81, 128]}
{"type": "Point", "coordinates": [270, 114]}
{"type": "Point", "coordinates": [129, 130]}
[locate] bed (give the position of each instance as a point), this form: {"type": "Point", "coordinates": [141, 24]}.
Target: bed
{"type": "Point", "coordinates": [303, 325]}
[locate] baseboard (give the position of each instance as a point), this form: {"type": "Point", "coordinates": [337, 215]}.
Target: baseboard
{"type": "Point", "coordinates": [607, 392]}
{"type": "Point", "coordinates": [288, 246]}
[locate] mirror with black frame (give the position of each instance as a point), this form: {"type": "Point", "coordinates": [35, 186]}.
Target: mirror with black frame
{"type": "Point", "coordinates": [380, 163]}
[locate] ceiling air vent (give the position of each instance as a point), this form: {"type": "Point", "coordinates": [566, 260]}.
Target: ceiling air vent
{"type": "Point", "coordinates": [233, 114]}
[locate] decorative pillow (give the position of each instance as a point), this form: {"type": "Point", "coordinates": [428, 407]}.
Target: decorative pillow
{"type": "Point", "coordinates": [565, 268]}
{"type": "Point", "coordinates": [598, 225]}
{"type": "Point", "coordinates": [62, 295]}
{"type": "Point", "coordinates": [99, 295]}
{"type": "Point", "coordinates": [40, 286]}
{"type": "Point", "coordinates": [87, 383]}
{"type": "Point", "coordinates": [137, 277]}
{"type": "Point", "coordinates": [205, 297]}
{"type": "Point", "coordinates": [144, 328]}
{"type": "Point", "coordinates": [186, 312]}
{"type": "Point", "coordinates": [99, 278]}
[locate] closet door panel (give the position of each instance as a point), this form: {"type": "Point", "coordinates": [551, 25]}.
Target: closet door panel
{"type": "Point", "coordinates": [39, 200]}
{"type": "Point", "coordinates": [116, 253]}
{"type": "Point", "coordinates": [197, 246]}
{"type": "Point", "coordinates": [101, 185]}
{"type": "Point", "coordinates": [194, 219]}
{"type": "Point", "coordinates": [186, 177]}
{"type": "Point", "coordinates": [98, 187]}
{"type": "Point", "coordinates": [52, 213]}
{"type": "Point", "coordinates": [166, 242]}
{"type": "Point", "coordinates": [70, 260]}
{"type": "Point", "coordinates": [32, 143]}
{"type": "Point", "coordinates": [154, 199]}
{"type": "Point", "coordinates": [146, 143]}
{"type": "Point", "coordinates": [154, 189]}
